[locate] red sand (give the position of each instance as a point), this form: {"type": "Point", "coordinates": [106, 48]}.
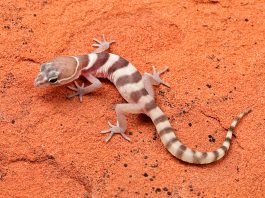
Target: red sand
{"type": "Point", "coordinates": [51, 146]}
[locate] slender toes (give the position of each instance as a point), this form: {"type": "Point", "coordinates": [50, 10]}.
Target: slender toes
{"type": "Point", "coordinates": [103, 37]}
{"type": "Point", "coordinates": [109, 137]}
{"type": "Point", "coordinates": [76, 84]}
{"type": "Point", "coordinates": [80, 97]}
{"type": "Point", "coordinates": [71, 96]}
{"type": "Point", "coordinates": [154, 69]}
{"type": "Point", "coordinates": [115, 129]}
{"type": "Point", "coordinates": [72, 88]}
{"type": "Point", "coordinates": [78, 89]}
{"type": "Point", "coordinates": [105, 131]}
{"type": "Point", "coordinates": [163, 70]}
{"type": "Point", "coordinates": [111, 125]}
{"type": "Point", "coordinates": [96, 40]}
{"type": "Point", "coordinates": [125, 137]}
{"type": "Point", "coordinates": [166, 84]}
{"type": "Point", "coordinates": [95, 45]}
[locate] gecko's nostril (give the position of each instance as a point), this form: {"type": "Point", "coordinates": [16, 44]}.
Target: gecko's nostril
{"type": "Point", "coordinates": [39, 80]}
{"type": "Point", "coordinates": [36, 83]}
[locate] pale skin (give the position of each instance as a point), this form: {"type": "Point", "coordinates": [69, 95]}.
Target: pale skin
{"type": "Point", "coordinates": [150, 80]}
{"type": "Point", "coordinates": [135, 88]}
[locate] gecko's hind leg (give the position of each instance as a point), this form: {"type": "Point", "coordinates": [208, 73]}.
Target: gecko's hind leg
{"type": "Point", "coordinates": [154, 79]}
{"type": "Point", "coordinates": [101, 45]}
{"type": "Point", "coordinates": [121, 126]}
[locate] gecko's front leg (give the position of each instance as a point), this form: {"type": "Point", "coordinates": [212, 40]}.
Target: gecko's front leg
{"type": "Point", "coordinates": [82, 90]}
{"type": "Point", "coordinates": [121, 126]}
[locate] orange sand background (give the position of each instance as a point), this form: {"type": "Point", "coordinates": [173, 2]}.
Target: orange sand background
{"type": "Point", "coordinates": [51, 146]}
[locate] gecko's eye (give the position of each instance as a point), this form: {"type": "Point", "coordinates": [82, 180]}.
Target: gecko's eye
{"type": "Point", "coordinates": [53, 80]}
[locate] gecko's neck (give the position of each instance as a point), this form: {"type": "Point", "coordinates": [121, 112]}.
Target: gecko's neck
{"type": "Point", "coordinates": [82, 61]}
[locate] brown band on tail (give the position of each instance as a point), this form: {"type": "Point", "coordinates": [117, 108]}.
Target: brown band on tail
{"type": "Point", "coordinates": [179, 150]}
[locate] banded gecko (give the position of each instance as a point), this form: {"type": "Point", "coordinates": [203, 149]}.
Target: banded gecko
{"type": "Point", "coordinates": [136, 89]}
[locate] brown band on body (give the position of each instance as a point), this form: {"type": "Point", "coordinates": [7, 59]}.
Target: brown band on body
{"type": "Point", "coordinates": [102, 58]}
{"type": "Point", "coordinates": [120, 63]}
{"type": "Point", "coordinates": [129, 79]}
{"type": "Point", "coordinates": [136, 95]}
{"type": "Point", "coordinates": [83, 60]}
{"type": "Point", "coordinates": [150, 105]}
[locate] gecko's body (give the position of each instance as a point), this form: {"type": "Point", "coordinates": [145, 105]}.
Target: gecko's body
{"type": "Point", "coordinates": [136, 89]}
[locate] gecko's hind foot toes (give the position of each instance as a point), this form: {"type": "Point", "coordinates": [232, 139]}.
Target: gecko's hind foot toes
{"type": "Point", "coordinates": [115, 129]}
{"type": "Point", "coordinates": [156, 76]}
{"type": "Point", "coordinates": [79, 91]}
{"type": "Point", "coordinates": [102, 45]}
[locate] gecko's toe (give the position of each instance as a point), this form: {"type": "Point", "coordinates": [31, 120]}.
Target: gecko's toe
{"type": "Point", "coordinates": [125, 137]}
{"type": "Point", "coordinates": [79, 91]}
{"type": "Point", "coordinates": [72, 88]}
{"type": "Point", "coordinates": [96, 40]}
{"type": "Point", "coordinates": [115, 129]}
{"type": "Point", "coordinates": [156, 76]}
{"type": "Point", "coordinates": [109, 137]}
{"type": "Point", "coordinates": [95, 45]}
{"type": "Point", "coordinates": [102, 45]}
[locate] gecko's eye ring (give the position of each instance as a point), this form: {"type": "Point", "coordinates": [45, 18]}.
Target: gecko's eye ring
{"type": "Point", "coordinates": [53, 80]}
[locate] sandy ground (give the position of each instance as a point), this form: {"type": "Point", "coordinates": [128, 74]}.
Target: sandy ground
{"type": "Point", "coordinates": [50, 146]}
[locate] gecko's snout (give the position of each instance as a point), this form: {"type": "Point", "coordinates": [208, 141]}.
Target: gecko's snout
{"type": "Point", "coordinates": [40, 80]}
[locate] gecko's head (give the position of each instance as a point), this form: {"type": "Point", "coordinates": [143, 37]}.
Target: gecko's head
{"type": "Point", "coordinates": [48, 74]}
{"type": "Point", "coordinates": [59, 71]}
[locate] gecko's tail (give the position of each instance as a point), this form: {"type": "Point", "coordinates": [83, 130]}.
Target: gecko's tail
{"type": "Point", "coordinates": [179, 150]}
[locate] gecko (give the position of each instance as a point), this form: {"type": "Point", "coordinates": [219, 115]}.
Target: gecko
{"type": "Point", "coordinates": [135, 88]}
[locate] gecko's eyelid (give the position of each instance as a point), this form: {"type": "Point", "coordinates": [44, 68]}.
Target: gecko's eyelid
{"type": "Point", "coordinates": [45, 66]}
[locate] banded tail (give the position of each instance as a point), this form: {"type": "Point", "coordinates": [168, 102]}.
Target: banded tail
{"type": "Point", "coordinates": [179, 150]}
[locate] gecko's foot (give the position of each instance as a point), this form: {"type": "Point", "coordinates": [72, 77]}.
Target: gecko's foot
{"type": "Point", "coordinates": [156, 76]}
{"type": "Point", "coordinates": [80, 91]}
{"type": "Point", "coordinates": [115, 129]}
{"type": "Point", "coordinates": [102, 45]}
